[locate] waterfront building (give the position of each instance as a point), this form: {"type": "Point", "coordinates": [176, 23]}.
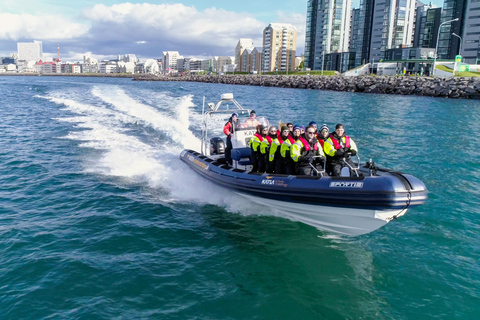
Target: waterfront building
{"type": "Point", "coordinates": [242, 45]}
{"type": "Point", "coordinates": [449, 45]}
{"type": "Point", "coordinates": [245, 62]}
{"type": "Point", "coordinates": [327, 30]}
{"type": "Point", "coordinates": [279, 47]}
{"type": "Point", "coordinates": [364, 33]}
{"type": "Point", "coordinates": [257, 56]}
{"type": "Point", "coordinates": [471, 33]}
{"type": "Point", "coordinates": [427, 21]}
{"type": "Point", "coordinates": [30, 51]}
{"type": "Point", "coordinates": [355, 43]}
{"type": "Point", "coordinates": [392, 26]}
{"type": "Point", "coordinates": [108, 67]}
{"type": "Point", "coordinates": [169, 61]}
{"type": "Point", "coordinates": [220, 61]}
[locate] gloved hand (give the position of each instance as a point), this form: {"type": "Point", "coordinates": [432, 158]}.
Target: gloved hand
{"type": "Point", "coordinates": [353, 152]}
{"type": "Point", "coordinates": [309, 159]}
{"type": "Point", "coordinates": [340, 152]}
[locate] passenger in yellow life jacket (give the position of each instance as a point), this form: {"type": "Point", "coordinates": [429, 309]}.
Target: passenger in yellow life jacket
{"type": "Point", "coordinates": [303, 152]}
{"type": "Point", "coordinates": [287, 165]}
{"type": "Point", "coordinates": [322, 135]}
{"type": "Point", "coordinates": [270, 139]}
{"type": "Point", "coordinates": [276, 159]}
{"type": "Point", "coordinates": [338, 148]}
{"type": "Point", "coordinates": [262, 161]}
{"type": "Point", "coordinates": [254, 144]}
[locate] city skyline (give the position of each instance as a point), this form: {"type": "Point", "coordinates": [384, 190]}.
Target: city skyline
{"type": "Point", "coordinates": [103, 30]}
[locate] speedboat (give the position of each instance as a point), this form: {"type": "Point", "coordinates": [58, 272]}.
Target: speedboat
{"type": "Point", "coordinates": [358, 202]}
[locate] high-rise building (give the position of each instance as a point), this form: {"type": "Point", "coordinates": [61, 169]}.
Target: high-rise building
{"type": "Point", "coordinates": [279, 47]}
{"type": "Point", "coordinates": [30, 51]}
{"type": "Point", "coordinates": [242, 45]}
{"type": "Point", "coordinates": [327, 30]}
{"type": "Point", "coordinates": [449, 45]}
{"type": "Point", "coordinates": [392, 26]}
{"type": "Point", "coordinates": [257, 55]}
{"type": "Point", "coordinates": [361, 32]}
{"type": "Point", "coordinates": [426, 26]}
{"type": "Point", "coordinates": [170, 60]}
{"type": "Point", "coordinates": [471, 33]}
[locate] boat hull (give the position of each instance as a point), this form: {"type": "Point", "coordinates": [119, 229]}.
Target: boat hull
{"type": "Point", "coordinates": [347, 206]}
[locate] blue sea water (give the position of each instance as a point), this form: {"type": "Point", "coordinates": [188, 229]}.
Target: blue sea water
{"type": "Point", "coordinates": [99, 219]}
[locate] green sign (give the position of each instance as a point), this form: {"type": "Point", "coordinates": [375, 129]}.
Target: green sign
{"type": "Point", "coordinates": [464, 67]}
{"type": "Point", "coordinates": [458, 58]}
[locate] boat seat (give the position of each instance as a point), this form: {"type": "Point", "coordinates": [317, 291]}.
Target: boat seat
{"type": "Point", "coordinates": [242, 156]}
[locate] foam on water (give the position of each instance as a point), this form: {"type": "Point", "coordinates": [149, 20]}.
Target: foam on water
{"type": "Point", "coordinates": [105, 125]}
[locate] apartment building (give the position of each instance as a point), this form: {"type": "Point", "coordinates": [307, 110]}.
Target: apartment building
{"type": "Point", "coordinates": [327, 30]}
{"type": "Point", "coordinates": [279, 47]}
{"type": "Point", "coordinates": [242, 45]}
{"type": "Point", "coordinates": [30, 51]}
{"type": "Point", "coordinates": [471, 33]}
{"type": "Point", "coordinates": [392, 26]}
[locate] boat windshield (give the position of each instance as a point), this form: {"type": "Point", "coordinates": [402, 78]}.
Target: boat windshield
{"type": "Point", "coordinates": [251, 122]}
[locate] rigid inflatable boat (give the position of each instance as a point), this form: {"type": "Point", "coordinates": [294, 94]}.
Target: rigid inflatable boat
{"type": "Point", "coordinates": [364, 200]}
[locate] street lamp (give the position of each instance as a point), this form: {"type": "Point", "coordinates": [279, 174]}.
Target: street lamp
{"type": "Point", "coordinates": [460, 48]}
{"type": "Point", "coordinates": [436, 47]}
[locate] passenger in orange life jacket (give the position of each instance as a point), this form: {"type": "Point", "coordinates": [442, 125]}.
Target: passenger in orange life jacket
{"type": "Point", "coordinates": [338, 147]}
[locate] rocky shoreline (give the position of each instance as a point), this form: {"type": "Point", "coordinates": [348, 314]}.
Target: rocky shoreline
{"type": "Point", "coordinates": [463, 88]}
{"type": "Point", "coordinates": [457, 88]}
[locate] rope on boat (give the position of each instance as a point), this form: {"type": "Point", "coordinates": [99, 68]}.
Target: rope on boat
{"type": "Point", "coordinates": [409, 199]}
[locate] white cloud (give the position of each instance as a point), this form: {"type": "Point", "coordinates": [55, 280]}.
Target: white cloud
{"type": "Point", "coordinates": [49, 27]}
{"type": "Point", "coordinates": [142, 29]}
{"type": "Point", "coordinates": [173, 23]}
{"type": "Point", "coordinates": [299, 21]}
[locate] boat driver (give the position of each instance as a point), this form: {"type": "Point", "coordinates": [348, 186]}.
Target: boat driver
{"type": "Point", "coordinates": [339, 147]}
{"type": "Point", "coordinates": [252, 121]}
{"type": "Point", "coordinates": [228, 129]}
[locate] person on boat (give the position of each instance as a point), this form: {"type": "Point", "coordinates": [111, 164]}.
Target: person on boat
{"type": "Point", "coordinates": [302, 131]}
{"type": "Point", "coordinates": [252, 121]}
{"type": "Point", "coordinates": [313, 124]}
{"type": "Point", "coordinates": [262, 156]}
{"type": "Point", "coordinates": [280, 126]}
{"type": "Point", "coordinates": [322, 136]}
{"type": "Point", "coordinates": [304, 150]}
{"type": "Point", "coordinates": [279, 150]}
{"type": "Point", "coordinates": [254, 145]}
{"type": "Point", "coordinates": [270, 140]}
{"type": "Point", "coordinates": [290, 127]}
{"type": "Point", "coordinates": [323, 133]}
{"type": "Point", "coordinates": [228, 129]}
{"type": "Point", "coordinates": [339, 147]}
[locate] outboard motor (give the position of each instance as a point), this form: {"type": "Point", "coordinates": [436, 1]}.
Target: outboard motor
{"type": "Point", "coordinates": [217, 146]}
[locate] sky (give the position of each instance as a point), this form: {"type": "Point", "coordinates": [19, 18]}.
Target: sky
{"type": "Point", "coordinates": [104, 28]}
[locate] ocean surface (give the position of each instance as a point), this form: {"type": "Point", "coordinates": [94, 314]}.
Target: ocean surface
{"type": "Point", "coordinates": [99, 219]}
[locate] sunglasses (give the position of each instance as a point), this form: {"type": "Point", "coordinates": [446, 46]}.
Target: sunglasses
{"type": "Point", "coordinates": [312, 132]}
